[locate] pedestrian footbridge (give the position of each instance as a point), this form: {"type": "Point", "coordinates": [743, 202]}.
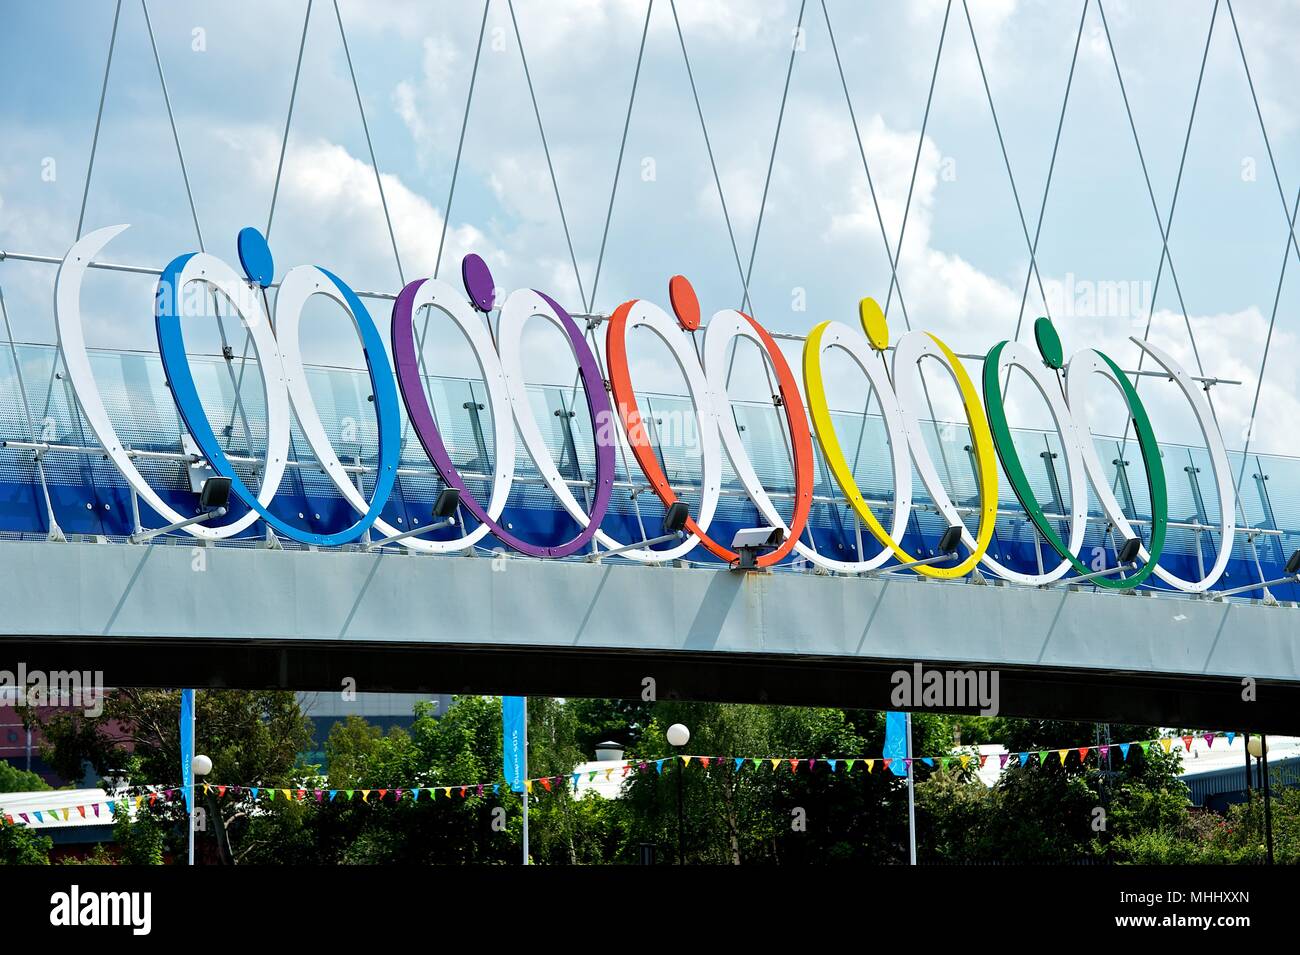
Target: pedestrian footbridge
{"type": "Point", "coordinates": [260, 611]}
{"type": "Point", "coordinates": [258, 617]}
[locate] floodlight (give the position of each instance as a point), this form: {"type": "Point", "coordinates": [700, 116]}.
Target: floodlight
{"type": "Point", "coordinates": [215, 493]}
{"type": "Point", "coordinates": [448, 501]}
{"type": "Point", "coordinates": [950, 539]}
{"type": "Point", "coordinates": [213, 498]}
{"type": "Point", "coordinates": [443, 510]}
{"type": "Point", "coordinates": [1126, 559]}
{"type": "Point", "coordinates": [674, 521]}
{"type": "Point", "coordinates": [1292, 570]}
{"type": "Point", "coordinates": [679, 512]}
{"type": "Point", "coordinates": [948, 544]}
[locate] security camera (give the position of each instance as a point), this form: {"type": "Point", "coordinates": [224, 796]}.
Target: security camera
{"type": "Point", "coordinates": [751, 542]}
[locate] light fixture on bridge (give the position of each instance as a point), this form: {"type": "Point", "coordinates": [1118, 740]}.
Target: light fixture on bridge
{"type": "Point", "coordinates": [1291, 569]}
{"type": "Point", "coordinates": [752, 542]}
{"type": "Point", "coordinates": [447, 502]}
{"type": "Point", "coordinates": [948, 544]}
{"type": "Point", "coordinates": [213, 498]}
{"type": "Point", "coordinates": [444, 510]}
{"type": "Point", "coordinates": [1126, 559]}
{"type": "Point", "coordinates": [673, 529]}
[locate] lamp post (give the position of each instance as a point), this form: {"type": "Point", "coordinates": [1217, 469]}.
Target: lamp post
{"type": "Point", "coordinates": [678, 736]}
{"type": "Point", "coordinates": [911, 796]}
{"type": "Point", "coordinates": [1246, 738]}
{"type": "Point", "coordinates": [200, 765]}
{"type": "Point", "coordinates": [1258, 747]}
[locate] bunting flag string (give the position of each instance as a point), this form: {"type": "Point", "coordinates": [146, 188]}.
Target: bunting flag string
{"type": "Point", "coordinates": [153, 795]}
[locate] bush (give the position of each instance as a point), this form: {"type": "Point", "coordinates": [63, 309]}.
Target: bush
{"type": "Point", "coordinates": [20, 846]}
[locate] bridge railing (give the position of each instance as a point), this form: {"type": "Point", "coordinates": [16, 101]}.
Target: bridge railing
{"type": "Point", "coordinates": [89, 497]}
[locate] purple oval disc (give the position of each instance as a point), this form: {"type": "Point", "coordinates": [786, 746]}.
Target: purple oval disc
{"type": "Point", "coordinates": [476, 275]}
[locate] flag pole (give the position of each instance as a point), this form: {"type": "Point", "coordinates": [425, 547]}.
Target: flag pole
{"type": "Point", "coordinates": [911, 795]}
{"type": "Point", "coordinates": [190, 786]}
{"type": "Point", "coordinates": [525, 759]}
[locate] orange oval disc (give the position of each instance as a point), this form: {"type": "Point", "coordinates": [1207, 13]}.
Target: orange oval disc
{"type": "Point", "coordinates": [686, 305]}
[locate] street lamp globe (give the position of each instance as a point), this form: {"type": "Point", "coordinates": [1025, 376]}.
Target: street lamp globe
{"type": "Point", "coordinates": [1256, 747]}
{"type": "Point", "coordinates": [678, 735]}
{"type": "Point", "coordinates": [201, 765]}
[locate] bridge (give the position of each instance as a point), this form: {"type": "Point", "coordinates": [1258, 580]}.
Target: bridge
{"type": "Point", "coordinates": [259, 611]}
{"type": "Point", "coordinates": [1174, 601]}
{"type": "Point", "coordinates": [258, 618]}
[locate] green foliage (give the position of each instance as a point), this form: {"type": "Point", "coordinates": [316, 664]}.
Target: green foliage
{"type": "Point", "coordinates": [957, 820]}
{"type": "Point", "coordinates": [1057, 814]}
{"type": "Point", "coordinates": [250, 736]}
{"type": "Point", "coordinates": [19, 845]}
{"type": "Point", "coordinates": [1205, 838]}
{"type": "Point", "coordinates": [139, 841]}
{"type": "Point", "coordinates": [622, 721]}
{"type": "Point", "coordinates": [766, 815]}
{"type": "Point", "coordinates": [754, 815]}
{"type": "Point", "coordinates": [15, 780]}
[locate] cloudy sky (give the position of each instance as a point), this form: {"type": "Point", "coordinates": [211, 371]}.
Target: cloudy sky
{"type": "Point", "coordinates": [964, 265]}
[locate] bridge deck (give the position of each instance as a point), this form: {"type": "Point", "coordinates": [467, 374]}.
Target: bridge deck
{"type": "Point", "coordinates": [307, 620]}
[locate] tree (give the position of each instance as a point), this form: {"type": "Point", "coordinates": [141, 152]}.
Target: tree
{"type": "Point", "coordinates": [597, 720]}
{"type": "Point", "coordinates": [1048, 813]}
{"type": "Point", "coordinates": [752, 813]}
{"type": "Point", "coordinates": [15, 780]}
{"type": "Point", "coordinates": [19, 845]}
{"type": "Point", "coordinates": [251, 737]}
{"type": "Point", "coordinates": [1199, 837]}
{"type": "Point", "coordinates": [766, 814]}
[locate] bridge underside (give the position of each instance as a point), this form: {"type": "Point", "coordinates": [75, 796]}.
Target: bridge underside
{"type": "Point", "coordinates": [252, 618]}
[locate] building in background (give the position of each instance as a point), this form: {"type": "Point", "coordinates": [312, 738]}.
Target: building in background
{"type": "Point", "coordinates": [20, 746]}
{"type": "Point", "coordinates": [384, 710]}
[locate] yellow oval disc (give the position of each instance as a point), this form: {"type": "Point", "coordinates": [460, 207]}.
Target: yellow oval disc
{"type": "Point", "coordinates": [873, 323]}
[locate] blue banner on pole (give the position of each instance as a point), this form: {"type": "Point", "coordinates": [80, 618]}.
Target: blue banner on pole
{"type": "Point", "coordinates": [187, 745]}
{"type": "Point", "coordinates": [896, 742]}
{"type": "Point", "coordinates": [514, 740]}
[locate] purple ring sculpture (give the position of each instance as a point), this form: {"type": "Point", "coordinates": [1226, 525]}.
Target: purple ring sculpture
{"type": "Point", "coordinates": [407, 361]}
